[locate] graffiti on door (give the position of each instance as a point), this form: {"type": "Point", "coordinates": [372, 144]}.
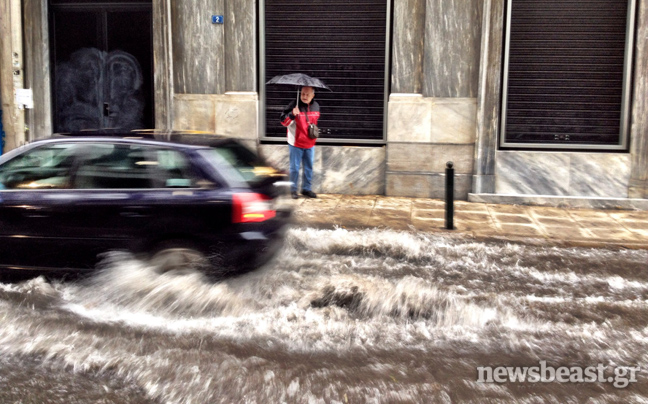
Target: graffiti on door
{"type": "Point", "coordinates": [97, 90]}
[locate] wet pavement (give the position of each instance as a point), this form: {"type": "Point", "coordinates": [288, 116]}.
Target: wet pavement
{"type": "Point", "coordinates": [530, 224]}
{"type": "Point", "coordinates": [369, 301]}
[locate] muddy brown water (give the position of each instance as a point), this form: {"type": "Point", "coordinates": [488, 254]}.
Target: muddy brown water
{"type": "Point", "coordinates": [368, 316]}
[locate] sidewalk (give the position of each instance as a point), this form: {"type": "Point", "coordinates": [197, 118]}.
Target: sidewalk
{"type": "Point", "coordinates": [530, 224]}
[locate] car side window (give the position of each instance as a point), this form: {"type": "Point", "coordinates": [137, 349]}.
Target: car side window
{"type": "Point", "coordinates": [129, 166]}
{"type": "Point", "coordinates": [46, 167]}
{"type": "Point", "coordinates": [173, 170]}
{"type": "Point", "coordinates": [114, 166]}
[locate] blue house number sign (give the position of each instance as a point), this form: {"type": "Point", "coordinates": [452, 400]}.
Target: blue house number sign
{"type": "Point", "coordinates": [217, 19]}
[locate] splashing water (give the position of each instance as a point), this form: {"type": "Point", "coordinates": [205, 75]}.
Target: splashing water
{"type": "Point", "coordinates": [339, 316]}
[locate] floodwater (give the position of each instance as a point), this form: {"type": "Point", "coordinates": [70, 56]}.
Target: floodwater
{"type": "Point", "coordinates": [371, 316]}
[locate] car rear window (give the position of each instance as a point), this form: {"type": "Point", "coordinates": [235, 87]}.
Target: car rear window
{"type": "Point", "coordinates": [238, 164]}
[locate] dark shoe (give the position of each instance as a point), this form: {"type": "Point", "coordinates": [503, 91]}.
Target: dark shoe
{"type": "Point", "coordinates": [309, 194]}
{"type": "Point", "coordinates": [294, 194]}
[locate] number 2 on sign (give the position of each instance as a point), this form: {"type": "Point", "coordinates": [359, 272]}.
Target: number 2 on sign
{"type": "Point", "coordinates": [217, 19]}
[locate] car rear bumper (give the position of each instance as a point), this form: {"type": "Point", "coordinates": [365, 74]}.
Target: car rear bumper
{"type": "Point", "coordinates": [250, 248]}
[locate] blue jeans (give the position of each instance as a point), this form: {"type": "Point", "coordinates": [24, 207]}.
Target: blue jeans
{"type": "Point", "coordinates": [298, 156]}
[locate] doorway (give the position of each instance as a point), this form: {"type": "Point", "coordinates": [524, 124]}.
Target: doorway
{"type": "Point", "coordinates": [102, 64]}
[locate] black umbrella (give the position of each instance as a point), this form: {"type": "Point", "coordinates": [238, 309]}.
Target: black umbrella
{"type": "Point", "coordinates": [298, 79]}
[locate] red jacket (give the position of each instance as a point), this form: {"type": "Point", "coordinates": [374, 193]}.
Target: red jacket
{"type": "Point", "coordinates": [298, 133]}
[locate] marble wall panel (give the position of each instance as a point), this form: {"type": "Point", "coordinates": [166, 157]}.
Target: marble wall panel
{"type": "Point", "coordinates": [237, 115]}
{"type": "Point", "coordinates": [532, 173]}
{"type": "Point", "coordinates": [232, 114]}
{"type": "Point", "coordinates": [194, 112]}
{"type": "Point", "coordinates": [162, 64]}
{"type": "Point", "coordinates": [639, 131]}
{"type": "Point", "coordinates": [429, 158]}
{"type": "Point", "coordinates": [563, 174]}
{"type": "Point", "coordinates": [240, 45]}
{"type": "Point", "coordinates": [453, 120]}
{"type": "Point", "coordinates": [413, 118]}
{"type": "Point", "coordinates": [37, 67]}
{"type": "Point", "coordinates": [353, 170]}
{"type": "Point", "coordinates": [407, 46]}
{"type": "Point", "coordinates": [462, 186]}
{"type": "Point", "coordinates": [488, 97]}
{"type": "Point", "coordinates": [339, 170]}
{"type": "Point", "coordinates": [408, 118]}
{"type": "Point", "coordinates": [599, 175]}
{"type": "Point", "coordinates": [426, 186]}
{"type": "Point", "coordinates": [411, 185]}
{"type": "Point", "coordinates": [452, 47]}
{"type": "Point", "coordinates": [198, 47]}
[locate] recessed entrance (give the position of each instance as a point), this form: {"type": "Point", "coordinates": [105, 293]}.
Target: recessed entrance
{"type": "Point", "coordinates": [102, 65]}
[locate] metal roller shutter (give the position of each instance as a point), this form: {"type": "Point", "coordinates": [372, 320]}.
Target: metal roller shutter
{"type": "Point", "coordinates": [564, 86]}
{"type": "Point", "coordinates": [341, 42]}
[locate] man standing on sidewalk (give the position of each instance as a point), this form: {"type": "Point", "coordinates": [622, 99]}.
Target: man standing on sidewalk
{"type": "Point", "coordinates": [302, 148]}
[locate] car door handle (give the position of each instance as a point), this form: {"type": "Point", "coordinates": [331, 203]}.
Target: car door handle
{"type": "Point", "coordinates": [135, 211]}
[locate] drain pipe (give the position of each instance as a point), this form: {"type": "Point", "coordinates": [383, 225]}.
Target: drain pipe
{"type": "Point", "coordinates": [449, 194]}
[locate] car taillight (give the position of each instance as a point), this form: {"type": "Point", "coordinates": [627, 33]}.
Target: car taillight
{"type": "Point", "coordinates": [251, 207]}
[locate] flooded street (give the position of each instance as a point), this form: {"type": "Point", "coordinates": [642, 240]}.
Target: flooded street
{"type": "Point", "coordinates": [341, 316]}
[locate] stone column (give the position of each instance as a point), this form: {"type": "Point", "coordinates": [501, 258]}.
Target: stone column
{"type": "Point", "coordinates": [488, 98]}
{"type": "Point", "coordinates": [240, 45]}
{"type": "Point", "coordinates": [452, 42]}
{"type": "Point", "coordinates": [11, 72]}
{"type": "Point", "coordinates": [162, 64]}
{"type": "Point", "coordinates": [407, 46]}
{"type": "Point", "coordinates": [639, 133]}
{"type": "Point", "coordinates": [198, 47]}
{"type": "Point", "coordinates": [37, 68]}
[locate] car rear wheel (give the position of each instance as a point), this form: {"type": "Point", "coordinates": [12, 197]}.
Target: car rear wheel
{"type": "Point", "coordinates": [178, 258]}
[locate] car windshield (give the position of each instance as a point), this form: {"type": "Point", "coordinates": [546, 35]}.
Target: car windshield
{"type": "Point", "coordinates": [238, 164]}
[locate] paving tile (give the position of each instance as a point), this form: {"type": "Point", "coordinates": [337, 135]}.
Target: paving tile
{"type": "Point", "coordinates": [520, 230]}
{"type": "Point", "coordinates": [358, 201]}
{"type": "Point", "coordinates": [387, 202]}
{"type": "Point", "coordinates": [634, 225]}
{"type": "Point", "coordinates": [556, 221]}
{"type": "Point", "coordinates": [641, 234]}
{"type": "Point", "coordinates": [473, 225]}
{"type": "Point", "coordinates": [350, 216]}
{"type": "Point", "coordinates": [539, 211]}
{"type": "Point", "coordinates": [426, 214]}
{"type": "Point", "coordinates": [574, 232]}
{"type": "Point", "coordinates": [318, 203]}
{"type": "Point", "coordinates": [462, 206]}
{"type": "Point", "coordinates": [509, 209]}
{"type": "Point", "coordinates": [630, 215]}
{"type": "Point", "coordinates": [511, 218]}
{"type": "Point", "coordinates": [587, 213]}
{"type": "Point", "coordinates": [428, 204]}
{"type": "Point", "coordinates": [428, 224]}
{"type": "Point", "coordinates": [615, 235]}
{"type": "Point", "coordinates": [597, 224]}
{"type": "Point", "coordinates": [474, 216]}
{"type": "Point", "coordinates": [391, 218]}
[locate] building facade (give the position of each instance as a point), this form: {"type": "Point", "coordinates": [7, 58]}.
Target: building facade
{"type": "Point", "coordinates": [533, 101]}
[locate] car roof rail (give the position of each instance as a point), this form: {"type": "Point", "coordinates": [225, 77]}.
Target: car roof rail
{"type": "Point", "coordinates": [190, 137]}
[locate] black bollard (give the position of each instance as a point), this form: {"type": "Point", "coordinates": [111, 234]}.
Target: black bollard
{"type": "Point", "coordinates": [449, 191]}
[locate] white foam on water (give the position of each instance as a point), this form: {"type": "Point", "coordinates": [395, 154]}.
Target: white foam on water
{"type": "Point", "coordinates": [370, 302]}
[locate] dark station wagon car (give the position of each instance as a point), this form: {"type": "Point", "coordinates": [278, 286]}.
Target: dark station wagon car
{"type": "Point", "coordinates": [176, 199]}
